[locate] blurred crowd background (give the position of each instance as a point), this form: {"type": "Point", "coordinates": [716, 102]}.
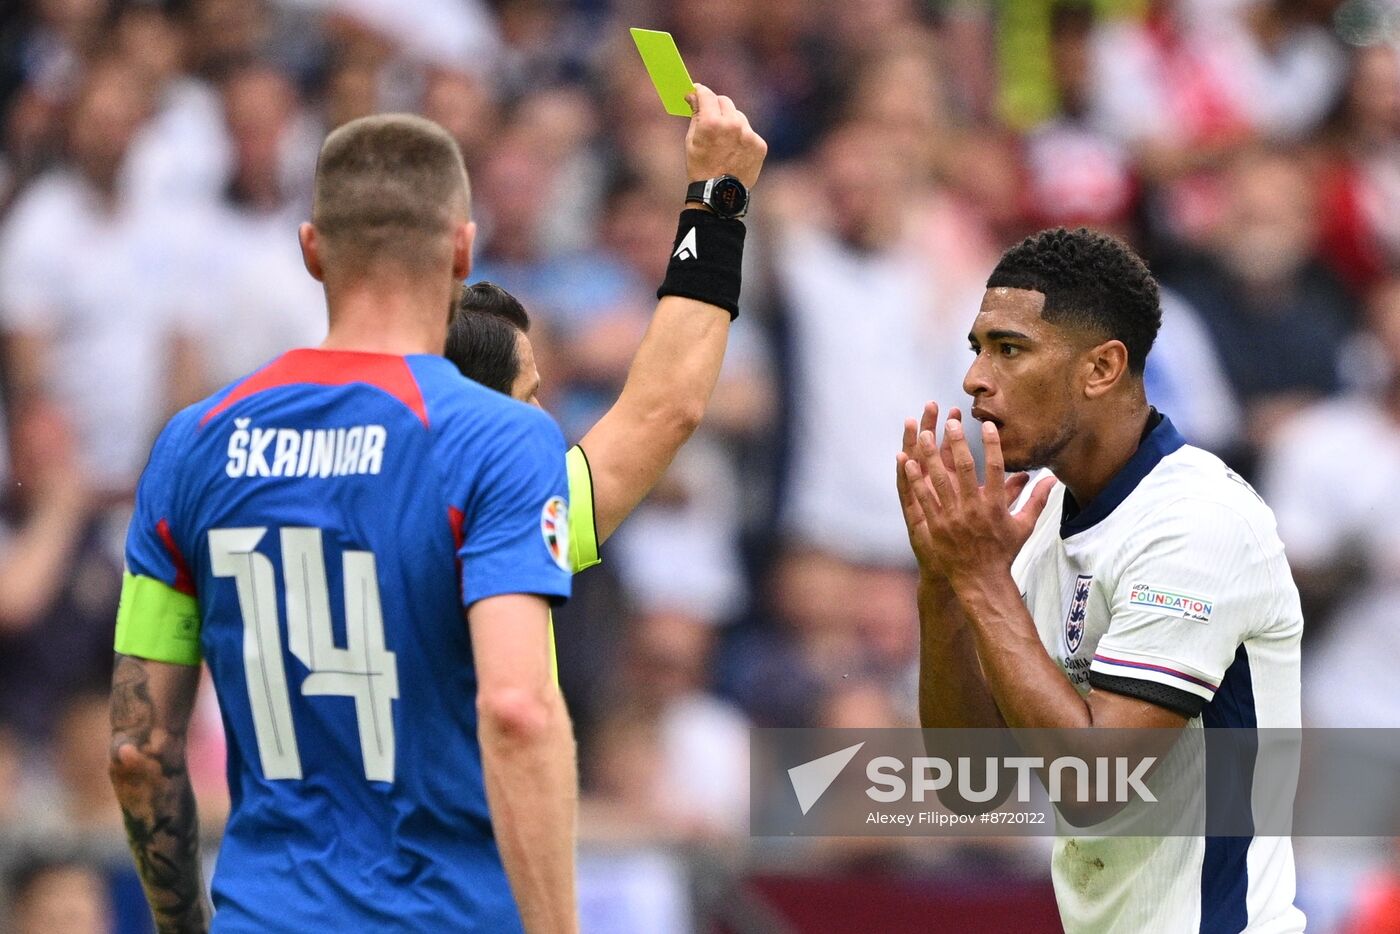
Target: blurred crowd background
{"type": "Point", "coordinates": [156, 156]}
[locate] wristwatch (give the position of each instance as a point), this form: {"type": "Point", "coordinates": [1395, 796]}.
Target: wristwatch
{"type": "Point", "coordinates": [725, 195]}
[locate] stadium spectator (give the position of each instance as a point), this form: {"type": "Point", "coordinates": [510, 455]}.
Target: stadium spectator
{"type": "Point", "coordinates": [48, 895]}
{"type": "Point", "coordinates": [558, 124]}
{"type": "Point", "coordinates": [692, 520]}
{"type": "Point", "coordinates": [61, 36]}
{"type": "Point", "coordinates": [58, 583]}
{"type": "Point", "coordinates": [797, 75]}
{"type": "Point", "coordinates": [88, 285]}
{"type": "Point", "coordinates": [248, 296]}
{"type": "Point", "coordinates": [1077, 175]}
{"type": "Point", "coordinates": [181, 157]}
{"type": "Point", "coordinates": [564, 289]}
{"type": "Point", "coordinates": [1189, 83]}
{"type": "Point", "coordinates": [1360, 187]}
{"type": "Point", "coordinates": [1184, 376]}
{"type": "Point", "coordinates": [1277, 315]}
{"type": "Point", "coordinates": [429, 31]}
{"type": "Point", "coordinates": [223, 34]}
{"type": "Point", "coordinates": [670, 755]}
{"type": "Point", "coordinates": [1345, 551]}
{"type": "Point", "coordinates": [37, 537]}
{"type": "Point", "coordinates": [1289, 67]}
{"type": "Point", "coordinates": [862, 243]}
{"type": "Point", "coordinates": [464, 104]}
{"type": "Point", "coordinates": [781, 670]}
{"type": "Point", "coordinates": [351, 89]}
{"type": "Point", "coordinates": [1346, 559]}
{"type": "Point", "coordinates": [85, 808]}
{"type": "Point", "coordinates": [1080, 176]}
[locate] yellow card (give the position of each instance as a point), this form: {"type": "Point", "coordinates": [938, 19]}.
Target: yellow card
{"type": "Point", "coordinates": [663, 61]}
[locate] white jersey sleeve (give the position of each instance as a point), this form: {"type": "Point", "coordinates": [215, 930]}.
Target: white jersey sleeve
{"type": "Point", "coordinates": [1182, 606]}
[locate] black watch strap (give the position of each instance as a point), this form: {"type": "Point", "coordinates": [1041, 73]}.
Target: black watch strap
{"type": "Point", "coordinates": [725, 195]}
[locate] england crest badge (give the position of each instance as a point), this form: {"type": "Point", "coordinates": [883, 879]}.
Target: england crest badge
{"type": "Point", "coordinates": [1078, 610]}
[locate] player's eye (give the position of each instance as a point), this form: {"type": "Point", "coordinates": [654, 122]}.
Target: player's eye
{"type": "Point", "coordinates": [974, 347]}
{"type": "Point", "coordinates": [1009, 350]}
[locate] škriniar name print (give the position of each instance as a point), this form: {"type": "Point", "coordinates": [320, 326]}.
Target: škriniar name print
{"type": "Point", "coordinates": [304, 452]}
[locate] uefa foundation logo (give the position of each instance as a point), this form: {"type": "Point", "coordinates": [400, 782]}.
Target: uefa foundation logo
{"type": "Point", "coordinates": [1192, 782]}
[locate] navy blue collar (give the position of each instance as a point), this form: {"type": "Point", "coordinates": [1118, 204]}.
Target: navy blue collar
{"type": "Point", "coordinates": [1159, 439]}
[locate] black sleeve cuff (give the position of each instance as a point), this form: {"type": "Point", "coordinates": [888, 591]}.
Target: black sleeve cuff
{"type": "Point", "coordinates": [1163, 695]}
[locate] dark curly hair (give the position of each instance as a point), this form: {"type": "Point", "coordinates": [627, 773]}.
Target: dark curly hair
{"type": "Point", "coordinates": [1090, 281]}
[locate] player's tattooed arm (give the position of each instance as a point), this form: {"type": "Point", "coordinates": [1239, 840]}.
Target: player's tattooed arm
{"type": "Point", "coordinates": [151, 705]}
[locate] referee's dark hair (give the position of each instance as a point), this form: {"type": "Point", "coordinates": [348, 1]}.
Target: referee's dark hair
{"type": "Point", "coordinates": [1090, 281]}
{"type": "Point", "coordinates": [481, 339]}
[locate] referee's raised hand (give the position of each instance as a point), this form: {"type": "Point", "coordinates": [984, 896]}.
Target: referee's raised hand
{"type": "Point", "coordinates": [720, 140]}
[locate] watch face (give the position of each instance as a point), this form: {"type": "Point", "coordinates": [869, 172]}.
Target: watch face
{"type": "Point", "coordinates": [729, 197]}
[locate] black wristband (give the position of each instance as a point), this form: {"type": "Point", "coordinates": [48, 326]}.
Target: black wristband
{"type": "Point", "coordinates": [705, 260]}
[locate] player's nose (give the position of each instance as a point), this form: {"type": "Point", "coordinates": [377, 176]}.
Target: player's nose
{"type": "Point", "coordinates": [977, 382]}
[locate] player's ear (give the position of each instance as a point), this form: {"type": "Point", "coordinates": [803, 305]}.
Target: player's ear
{"type": "Point", "coordinates": [463, 235]}
{"type": "Point", "coordinates": [1107, 364]}
{"type": "Point", "coordinates": [311, 250]}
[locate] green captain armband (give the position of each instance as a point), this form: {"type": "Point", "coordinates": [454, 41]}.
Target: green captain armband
{"type": "Point", "coordinates": [583, 526]}
{"type": "Point", "coordinates": [157, 622]}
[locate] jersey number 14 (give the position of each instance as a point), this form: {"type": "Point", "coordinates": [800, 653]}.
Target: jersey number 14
{"type": "Point", "coordinates": [364, 669]}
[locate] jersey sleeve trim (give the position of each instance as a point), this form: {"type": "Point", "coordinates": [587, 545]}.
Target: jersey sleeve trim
{"type": "Point", "coordinates": [184, 580]}
{"type": "Point", "coordinates": [157, 621]}
{"type": "Point", "coordinates": [1121, 664]}
{"type": "Point", "coordinates": [1163, 695]}
{"type": "Point", "coordinates": [583, 521]}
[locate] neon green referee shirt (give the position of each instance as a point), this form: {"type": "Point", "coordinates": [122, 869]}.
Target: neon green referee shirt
{"type": "Point", "coordinates": [583, 529]}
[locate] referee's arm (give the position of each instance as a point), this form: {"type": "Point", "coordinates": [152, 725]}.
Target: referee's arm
{"type": "Point", "coordinates": [678, 363]}
{"type": "Point", "coordinates": [662, 402]}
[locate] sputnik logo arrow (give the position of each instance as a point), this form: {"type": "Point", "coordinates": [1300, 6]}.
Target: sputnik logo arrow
{"type": "Point", "coordinates": [810, 780]}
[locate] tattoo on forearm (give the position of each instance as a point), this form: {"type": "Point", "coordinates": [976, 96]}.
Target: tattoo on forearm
{"type": "Point", "coordinates": [157, 802]}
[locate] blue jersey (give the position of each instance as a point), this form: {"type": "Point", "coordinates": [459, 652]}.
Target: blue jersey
{"type": "Point", "coordinates": [329, 517]}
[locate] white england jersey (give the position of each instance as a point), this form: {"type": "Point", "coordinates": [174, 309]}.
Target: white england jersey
{"type": "Point", "coordinates": [1171, 586]}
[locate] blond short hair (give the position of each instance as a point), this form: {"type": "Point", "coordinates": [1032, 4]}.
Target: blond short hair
{"type": "Point", "coordinates": [389, 189]}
